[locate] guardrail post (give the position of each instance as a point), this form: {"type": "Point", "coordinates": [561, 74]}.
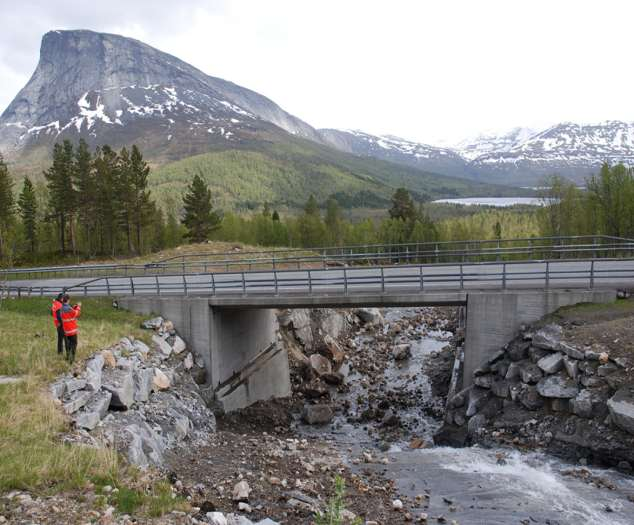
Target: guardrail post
{"type": "Point", "coordinates": [310, 283]}
{"type": "Point", "coordinates": [547, 284]}
{"type": "Point", "coordinates": [158, 286]}
{"type": "Point", "coordinates": [185, 285]}
{"type": "Point", "coordinates": [275, 281]}
{"type": "Point", "coordinates": [345, 282]}
{"type": "Point", "coordinates": [132, 285]}
{"type": "Point", "coordinates": [382, 280]}
{"type": "Point", "coordinates": [461, 278]}
{"type": "Point", "coordinates": [592, 274]}
{"type": "Point", "coordinates": [244, 285]}
{"type": "Point", "coordinates": [213, 284]}
{"type": "Point", "coordinates": [503, 276]}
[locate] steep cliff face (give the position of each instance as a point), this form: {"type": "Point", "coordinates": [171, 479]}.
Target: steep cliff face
{"type": "Point", "coordinates": [108, 88]}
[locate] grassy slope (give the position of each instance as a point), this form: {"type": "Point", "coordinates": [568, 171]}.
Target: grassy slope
{"type": "Point", "coordinates": [32, 455]}
{"type": "Point", "coordinates": [286, 173]}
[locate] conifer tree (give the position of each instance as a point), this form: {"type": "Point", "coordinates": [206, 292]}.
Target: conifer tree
{"type": "Point", "coordinates": [27, 203]}
{"type": "Point", "coordinates": [7, 206]}
{"type": "Point", "coordinates": [200, 219]}
{"type": "Point", "coordinates": [402, 206]}
{"type": "Point", "coordinates": [86, 189]}
{"type": "Point", "coordinates": [107, 172]}
{"type": "Point", "coordinates": [61, 190]}
{"type": "Point", "coordinates": [125, 195]}
{"type": "Point", "coordinates": [142, 205]}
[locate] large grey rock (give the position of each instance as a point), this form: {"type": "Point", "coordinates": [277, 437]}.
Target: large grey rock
{"type": "Point", "coordinates": [607, 369]}
{"type": "Point", "coordinates": [548, 337]}
{"type": "Point", "coordinates": [535, 354]}
{"type": "Point", "coordinates": [94, 411]}
{"type": "Point", "coordinates": [571, 351]}
{"type": "Point", "coordinates": [559, 386]}
{"type": "Point", "coordinates": [320, 365]}
{"type": "Point", "coordinates": [530, 373]}
{"type": "Point", "coordinates": [71, 385]}
{"type": "Point", "coordinates": [572, 367]}
{"type": "Point", "coordinates": [518, 350]}
{"type": "Point", "coordinates": [120, 383]}
{"type": "Point", "coordinates": [94, 368]}
{"type": "Point", "coordinates": [74, 401]}
{"type": "Point", "coordinates": [478, 397]}
{"type": "Point", "coordinates": [476, 424]}
{"type": "Point", "coordinates": [152, 324]}
{"type": "Point", "coordinates": [143, 382]}
{"type": "Point", "coordinates": [589, 403]}
{"type": "Point", "coordinates": [552, 363]}
{"type": "Point", "coordinates": [140, 347]}
{"type": "Point", "coordinates": [370, 315]}
{"type": "Point", "coordinates": [621, 407]}
{"type": "Point", "coordinates": [302, 326]}
{"type": "Point", "coordinates": [530, 398]}
{"type": "Point", "coordinates": [145, 446]}
{"type": "Point", "coordinates": [58, 389]}
{"type": "Point", "coordinates": [178, 345]}
{"type": "Point", "coordinates": [483, 381]}
{"type": "Point", "coordinates": [317, 414]}
{"type": "Point", "coordinates": [513, 372]}
{"type": "Point", "coordinates": [162, 345]}
{"type": "Point", "coordinates": [500, 388]}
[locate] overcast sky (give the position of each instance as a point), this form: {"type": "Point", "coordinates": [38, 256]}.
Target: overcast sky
{"type": "Point", "coordinates": [428, 70]}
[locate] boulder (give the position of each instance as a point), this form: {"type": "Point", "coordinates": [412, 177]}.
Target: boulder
{"type": "Point", "coordinates": [58, 389]}
{"type": "Point", "coordinates": [451, 436]}
{"type": "Point", "coordinates": [317, 414]}
{"type": "Point", "coordinates": [143, 383]}
{"type": "Point", "coordinates": [216, 518]}
{"type": "Point", "coordinates": [74, 384]}
{"type": "Point", "coordinates": [320, 365]}
{"type": "Point", "coordinates": [120, 383]}
{"type": "Point", "coordinates": [592, 381]}
{"type": "Point", "coordinates": [334, 378]}
{"type": "Point", "coordinates": [241, 491]}
{"type": "Point", "coordinates": [513, 371]}
{"type": "Point", "coordinates": [589, 403]}
{"type": "Point", "coordinates": [530, 398]}
{"type": "Point", "coordinates": [109, 359]}
{"type": "Point", "coordinates": [572, 367]}
{"type": "Point", "coordinates": [552, 363]}
{"type": "Point", "coordinates": [94, 411]}
{"type": "Point", "coordinates": [160, 381]}
{"type": "Point", "coordinates": [178, 345]}
{"type": "Point", "coordinates": [476, 424]}
{"type": "Point", "coordinates": [548, 337]}
{"type": "Point", "coordinates": [606, 369]}
{"type": "Point", "coordinates": [621, 407]}
{"type": "Point", "coordinates": [73, 402]}
{"type": "Point", "coordinates": [571, 351]}
{"type": "Point", "coordinates": [501, 367]}
{"type": "Point", "coordinates": [530, 373]}
{"type": "Point", "coordinates": [152, 324]}
{"type": "Point", "coordinates": [558, 386]}
{"type": "Point", "coordinates": [332, 350]}
{"type": "Point", "coordinates": [188, 362]}
{"type": "Point", "coordinates": [500, 388]}
{"type": "Point", "coordinates": [483, 381]}
{"type": "Point", "coordinates": [163, 346]}
{"type": "Point", "coordinates": [401, 352]}
{"type": "Point", "coordinates": [535, 354]}
{"type": "Point", "coordinates": [518, 350]}
{"type": "Point", "coordinates": [370, 315]}
{"type": "Point", "coordinates": [560, 405]}
{"type": "Point", "coordinates": [140, 347]}
{"type": "Point", "coordinates": [478, 397]}
{"type": "Point", "coordinates": [94, 367]}
{"type": "Point", "coordinates": [302, 327]}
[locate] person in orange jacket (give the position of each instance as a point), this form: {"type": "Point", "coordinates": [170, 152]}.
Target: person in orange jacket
{"type": "Point", "coordinates": [56, 308]}
{"type": "Point", "coordinates": [69, 315]}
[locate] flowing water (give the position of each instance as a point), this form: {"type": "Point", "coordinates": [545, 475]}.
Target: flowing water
{"type": "Point", "coordinates": [475, 485]}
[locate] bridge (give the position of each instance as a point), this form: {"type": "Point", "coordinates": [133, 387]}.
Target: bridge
{"type": "Point", "coordinates": [228, 316]}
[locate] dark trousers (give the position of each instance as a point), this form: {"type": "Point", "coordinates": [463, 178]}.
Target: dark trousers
{"type": "Point", "coordinates": [61, 340]}
{"type": "Point", "coordinates": [71, 346]}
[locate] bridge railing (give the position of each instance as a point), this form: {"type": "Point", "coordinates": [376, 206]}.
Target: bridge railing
{"type": "Point", "coordinates": [435, 252]}
{"type": "Point", "coordinates": [572, 273]}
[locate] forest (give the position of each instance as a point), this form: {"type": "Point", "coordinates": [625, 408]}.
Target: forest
{"type": "Point", "coordinates": [98, 204]}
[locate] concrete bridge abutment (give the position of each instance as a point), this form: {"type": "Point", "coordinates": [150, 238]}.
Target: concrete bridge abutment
{"type": "Point", "coordinates": [243, 358]}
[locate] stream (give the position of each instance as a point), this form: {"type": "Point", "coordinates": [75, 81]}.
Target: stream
{"type": "Point", "coordinates": [473, 485]}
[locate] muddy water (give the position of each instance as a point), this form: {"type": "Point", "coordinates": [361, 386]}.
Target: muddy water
{"type": "Point", "coordinates": [471, 485]}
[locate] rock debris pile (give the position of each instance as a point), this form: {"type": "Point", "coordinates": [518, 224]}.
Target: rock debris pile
{"type": "Point", "coordinates": [541, 390]}
{"type": "Point", "coordinates": [142, 400]}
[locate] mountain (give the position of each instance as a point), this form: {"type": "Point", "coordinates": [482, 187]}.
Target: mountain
{"type": "Point", "coordinates": [109, 89]}
{"type": "Point", "coordinates": [395, 149]}
{"type": "Point", "coordinates": [520, 157]}
{"type": "Point", "coordinates": [568, 149]}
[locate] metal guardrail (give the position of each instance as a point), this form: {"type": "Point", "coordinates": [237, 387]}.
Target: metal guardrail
{"type": "Point", "coordinates": [402, 253]}
{"type": "Point", "coordinates": [572, 273]}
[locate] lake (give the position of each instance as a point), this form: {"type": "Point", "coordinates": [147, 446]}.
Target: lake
{"type": "Point", "coordinates": [500, 202]}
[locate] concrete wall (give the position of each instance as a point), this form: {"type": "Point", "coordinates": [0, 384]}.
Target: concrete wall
{"type": "Point", "coordinates": [493, 319]}
{"type": "Point", "coordinates": [230, 342]}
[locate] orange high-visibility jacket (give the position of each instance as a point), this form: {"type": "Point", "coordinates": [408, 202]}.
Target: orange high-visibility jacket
{"type": "Point", "coordinates": [69, 319]}
{"type": "Point", "coordinates": [57, 305]}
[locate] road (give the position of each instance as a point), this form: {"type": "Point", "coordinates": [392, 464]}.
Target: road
{"type": "Point", "coordinates": [599, 273]}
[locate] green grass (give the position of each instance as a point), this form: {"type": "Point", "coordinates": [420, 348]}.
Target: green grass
{"type": "Point", "coordinates": [32, 456]}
